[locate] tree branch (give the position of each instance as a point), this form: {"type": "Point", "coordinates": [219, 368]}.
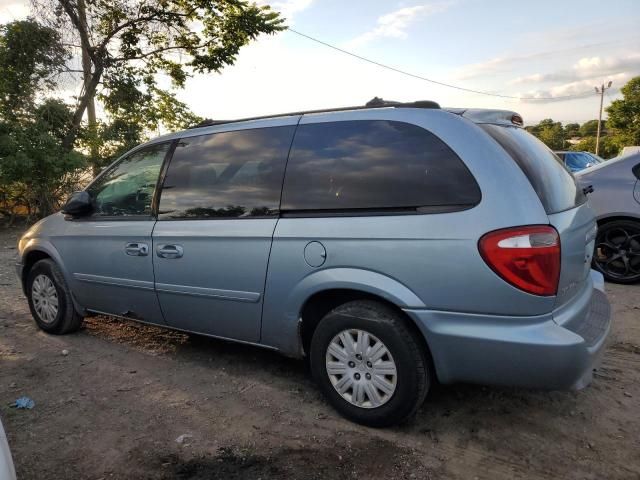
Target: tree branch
{"type": "Point", "coordinates": [82, 31]}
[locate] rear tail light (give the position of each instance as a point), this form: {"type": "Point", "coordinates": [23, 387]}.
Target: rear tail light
{"type": "Point", "coordinates": [526, 257]}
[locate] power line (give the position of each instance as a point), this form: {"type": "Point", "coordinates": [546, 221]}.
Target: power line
{"type": "Point", "coordinates": [430, 80]}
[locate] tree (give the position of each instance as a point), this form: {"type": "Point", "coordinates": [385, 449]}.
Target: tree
{"type": "Point", "coordinates": [135, 107]}
{"type": "Point", "coordinates": [624, 114]}
{"type": "Point", "coordinates": [35, 172]}
{"type": "Point", "coordinates": [125, 40]}
{"type": "Point", "coordinates": [608, 146]}
{"type": "Point", "coordinates": [590, 128]}
{"type": "Point", "coordinates": [31, 55]}
{"type": "Point", "coordinates": [35, 169]}
{"type": "Point", "coordinates": [571, 130]}
{"type": "Point", "coordinates": [549, 132]}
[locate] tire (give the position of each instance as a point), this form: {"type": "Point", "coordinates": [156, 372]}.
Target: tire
{"type": "Point", "coordinates": [617, 252]}
{"type": "Point", "coordinates": [43, 278]}
{"type": "Point", "coordinates": [359, 403]}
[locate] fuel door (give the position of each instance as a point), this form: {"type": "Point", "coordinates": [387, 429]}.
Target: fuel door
{"type": "Point", "coordinates": [315, 254]}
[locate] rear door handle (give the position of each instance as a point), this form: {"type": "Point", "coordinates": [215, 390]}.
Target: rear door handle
{"type": "Point", "coordinates": [136, 249]}
{"type": "Point", "coordinates": [170, 251]}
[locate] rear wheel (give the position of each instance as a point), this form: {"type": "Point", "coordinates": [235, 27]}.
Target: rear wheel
{"type": "Point", "coordinates": [50, 299]}
{"type": "Point", "coordinates": [369, 364]}
{"type": "Point", "coordinates": [617, 254]}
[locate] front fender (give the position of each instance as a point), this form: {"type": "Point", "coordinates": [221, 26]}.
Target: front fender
{"type": "Point", "coordinates": [283, 306]}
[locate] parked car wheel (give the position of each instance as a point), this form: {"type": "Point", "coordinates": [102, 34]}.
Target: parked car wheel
{"type": "Point", "coordinates": [50, 299]}
{"type": "Point", "coordinates": [369, 364]}
{"type": "Point", "coordinates": [617, 253]}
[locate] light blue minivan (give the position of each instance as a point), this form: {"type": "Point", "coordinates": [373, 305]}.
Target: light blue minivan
{"type": "Point", "coordinates": [393, 245]}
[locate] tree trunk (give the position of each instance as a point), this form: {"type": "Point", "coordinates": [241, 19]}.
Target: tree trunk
{"type": "Point", "coordinates": [91, 79]}
{"type": "Point", "coordinates": [72, 134]}
{"type": "Point", "coordinates": [86, 69]}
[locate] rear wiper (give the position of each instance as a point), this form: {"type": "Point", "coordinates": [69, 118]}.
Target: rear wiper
{"type": "Point", "coordinates": [587, 190]}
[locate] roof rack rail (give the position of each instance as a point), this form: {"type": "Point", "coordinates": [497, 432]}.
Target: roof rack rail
{"type": "Point", "coordinates": [375, 102]}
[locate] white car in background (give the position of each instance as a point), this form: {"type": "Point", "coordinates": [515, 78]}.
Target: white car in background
{"type": "Point", "coordinates": [7, 472]}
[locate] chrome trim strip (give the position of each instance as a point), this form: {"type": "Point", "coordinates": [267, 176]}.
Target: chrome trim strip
{"type": "Point", "coordinates": [251, 297]}
{"type": "Point", "coordinates": [113, 281]}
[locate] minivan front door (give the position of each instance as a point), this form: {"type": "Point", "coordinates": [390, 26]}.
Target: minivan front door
{"type": "Point", "coordinates": [108, 254]}
{"type": "Point", "coordinates": [217, 214]}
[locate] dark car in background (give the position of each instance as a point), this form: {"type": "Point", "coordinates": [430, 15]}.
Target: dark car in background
{"type": "Point", "coordinates": [577, 161]}
{"type": "Point", "coordinates": [616, 202]}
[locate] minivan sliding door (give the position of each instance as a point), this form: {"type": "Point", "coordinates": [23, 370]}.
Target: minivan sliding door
{"type": "Point", "coordinates": [217, 213]}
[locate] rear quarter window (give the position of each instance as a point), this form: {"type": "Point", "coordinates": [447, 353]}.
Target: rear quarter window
{"type": "Point", "coordinates": [374, 164]}
{"type": "Point", "coordinates": [547, 174]}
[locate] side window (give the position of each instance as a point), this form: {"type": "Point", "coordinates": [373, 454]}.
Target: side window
{"type": "Point", "coordinates": [127, 188]}
{"type": "Point", "coordinates": [226, 175]}
{"type": "Point", "coordinates": [369, 164]}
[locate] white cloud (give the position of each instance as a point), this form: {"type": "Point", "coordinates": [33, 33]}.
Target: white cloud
{"type": "Point", "coordinates": [586, 70]}
{"type": "Point", "coordinates": [577, 87]}
{"type": "Point", "coordinates": [396, 23]}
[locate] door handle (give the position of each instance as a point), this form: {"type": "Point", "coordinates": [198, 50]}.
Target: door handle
{"type": "Point", "coordinates": [136, 249]}
{"type": "Point", "coordinates": [170, 251]}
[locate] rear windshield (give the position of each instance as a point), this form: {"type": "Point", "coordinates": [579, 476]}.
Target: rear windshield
{"type": "Point", "coordinates": [553, 183]}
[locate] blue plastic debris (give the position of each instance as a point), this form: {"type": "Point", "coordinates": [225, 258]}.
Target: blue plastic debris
{"type": "Point", "coordinates": [24, 402]}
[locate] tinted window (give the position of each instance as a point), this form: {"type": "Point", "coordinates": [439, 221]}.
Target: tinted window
{"type": "Point", "coordinates": [373, 164]}
{"type": "Point", "coordinates": [554, 185]}
{"type": "Point", "coordinates": [127, 187]}
{"type": "Point", "coordinates": [229, 174]}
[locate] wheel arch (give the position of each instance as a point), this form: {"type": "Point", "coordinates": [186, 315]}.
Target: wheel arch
{"type": "Point", "coordinates": [615, 217]}
{"type": "Point", "coordinates": [37, 250]}
{"type": "Point", "coordinates": [29, 260]}
{"type": "Point", "coordinates": [323, 301]}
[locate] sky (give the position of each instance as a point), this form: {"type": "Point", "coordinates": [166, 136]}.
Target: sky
{"type": "Point", "coordinates": [541, 48]}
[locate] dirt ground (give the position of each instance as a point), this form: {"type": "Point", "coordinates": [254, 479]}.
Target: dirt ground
{"type": "Point", "coordinates": [132, 401]}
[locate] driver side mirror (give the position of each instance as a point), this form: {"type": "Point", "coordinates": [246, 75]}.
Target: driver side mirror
{"type": "Point", "coordinates": [78, 204]}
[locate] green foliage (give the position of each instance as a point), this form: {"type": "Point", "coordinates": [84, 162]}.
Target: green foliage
{"type": "Point", "coordinates": [31, 55]}
{"type": "Point", "coordinates": [624, 114]}
{"type": "Point", "coordinates": [128, 44]}
{"type": "Point", "coordinates": [590, 128]}
{"type": "Point", "coordinates": [550, 132]}
{"type": "Point", "coordinates": [136, 107]}
{"type": "Point", "coordinates": [35, 171]}
{"type": "Point", "coordinates": [131, 41]}
{"type": "Point", "coordinates": [571, 130]}
{"type": "Point", "coordinates": [608, 146]}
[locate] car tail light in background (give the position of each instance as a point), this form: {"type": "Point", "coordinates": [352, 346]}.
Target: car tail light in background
{"type": "Point", "coordinates": [526, 257]}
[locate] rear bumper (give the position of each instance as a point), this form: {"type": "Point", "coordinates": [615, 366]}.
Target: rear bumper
{"type": "Point", "coordinates": [554, 351]}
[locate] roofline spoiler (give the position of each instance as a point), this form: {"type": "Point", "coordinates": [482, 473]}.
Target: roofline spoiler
{"type": "Point", "coordinates": [484, 115]}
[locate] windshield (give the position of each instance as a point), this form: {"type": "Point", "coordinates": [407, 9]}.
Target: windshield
{"type": "Point", "coordinates": [551, 180]}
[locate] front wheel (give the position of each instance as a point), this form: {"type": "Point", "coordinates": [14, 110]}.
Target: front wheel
{"type": "Point", "coordinates": [617, 254]}
{"type": "Point", "coordinates": [50, 300]}
{"type": "Point", "coordinates": [369, 365]}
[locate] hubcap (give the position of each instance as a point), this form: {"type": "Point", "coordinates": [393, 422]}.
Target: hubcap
{"type": "Point", "coordinates": [618, 252]}
{"type": "Point", "coordinates": [45, 298]}
{"type": "Point", "coordinates": [361, 368]}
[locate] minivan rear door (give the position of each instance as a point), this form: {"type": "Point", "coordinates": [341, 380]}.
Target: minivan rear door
{"type": "Point", "coordinates": [563, 200]}
{"type": "Point", "coordinates": [217, 213]}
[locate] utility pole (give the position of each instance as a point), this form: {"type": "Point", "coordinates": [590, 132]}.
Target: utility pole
{"type": "Point", "coordinates": [600, 91]}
